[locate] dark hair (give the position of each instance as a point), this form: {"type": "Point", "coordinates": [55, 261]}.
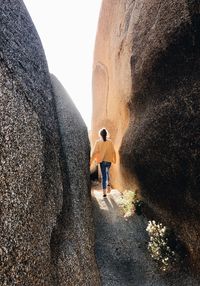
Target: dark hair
{"type": "Point", "coordinates": [103, 134]}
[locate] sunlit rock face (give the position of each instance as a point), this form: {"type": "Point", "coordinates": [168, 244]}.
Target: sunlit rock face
{"type": "Point", "coordinates": [112, 83]}
{"type": "Point", "coordinates": [33, 194]}
{"type": "Point", "coordinates": [154, 79]}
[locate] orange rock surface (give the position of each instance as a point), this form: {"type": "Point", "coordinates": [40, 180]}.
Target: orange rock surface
{"type": "Point", "coordinates": [112, 84]}
{"type": "Point", "coordinates": [146, 93]}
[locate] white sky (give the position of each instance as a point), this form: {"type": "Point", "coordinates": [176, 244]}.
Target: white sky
{"type": "Point", "coordinates": [67, 29]}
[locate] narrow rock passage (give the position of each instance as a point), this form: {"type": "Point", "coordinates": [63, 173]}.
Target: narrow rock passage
{"type": "Point", "coordinates": [121, 247]}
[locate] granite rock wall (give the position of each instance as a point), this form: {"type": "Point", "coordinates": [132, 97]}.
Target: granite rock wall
{"type": "Point", "coordinates": [33, 195]}
{"type": "Point", "coordinates": [151, 54]}
{"type": "Point", "coordinates": [112, 83]}
{"type": "Point", "coordinates": [75, 225]}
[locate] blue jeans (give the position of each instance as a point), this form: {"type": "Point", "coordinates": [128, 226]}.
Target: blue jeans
{"type": "Point", "coordinates": [105, 166]}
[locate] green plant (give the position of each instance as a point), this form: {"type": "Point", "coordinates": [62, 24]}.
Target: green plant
{"type": "Point", "coordinates": [126, 202]}
{"type": "Point", "coordinates": [130, 204]}
{"type": "Point", "coordinates": [159, 246]}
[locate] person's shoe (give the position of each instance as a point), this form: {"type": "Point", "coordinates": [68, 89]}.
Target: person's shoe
{"type": "Point", "coordinates": [104, 193]}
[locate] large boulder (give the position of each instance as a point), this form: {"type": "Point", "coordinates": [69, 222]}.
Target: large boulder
{"type": "Point", "coordinates": [152, 63]}
{"type": "Point", "coordinates": [74, 256]}
{"type": "Point", "coordinates": [33, 194]}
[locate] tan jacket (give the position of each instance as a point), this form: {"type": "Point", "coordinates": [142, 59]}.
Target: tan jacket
{"type": "Point", "coordinates": [103, 151]}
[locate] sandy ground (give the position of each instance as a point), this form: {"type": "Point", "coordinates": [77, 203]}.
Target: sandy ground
{"type": "Point", "coordinates": [121, 247]}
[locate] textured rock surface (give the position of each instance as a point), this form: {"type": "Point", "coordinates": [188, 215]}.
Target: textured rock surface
{"type": "Point", "coordinates": [158, 42]}
{"type": "Point", "coordinates": [112, 82]}
{"type": "Point", "coordinates": [32, 201]}
{"type": "Point", "coordinates": [30, 177]}
{"type": "Point", "coordinates": [75, 225]}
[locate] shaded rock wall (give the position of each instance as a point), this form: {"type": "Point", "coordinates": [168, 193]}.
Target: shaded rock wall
{"type": "Point", "coordinates": [33, 195]}
{"type": "Point", "coordinates": [74, 236]}
{"type": "Point", "coordinates": [30, 177]}
{"type": "Point", "coordinates": [161, 144]}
